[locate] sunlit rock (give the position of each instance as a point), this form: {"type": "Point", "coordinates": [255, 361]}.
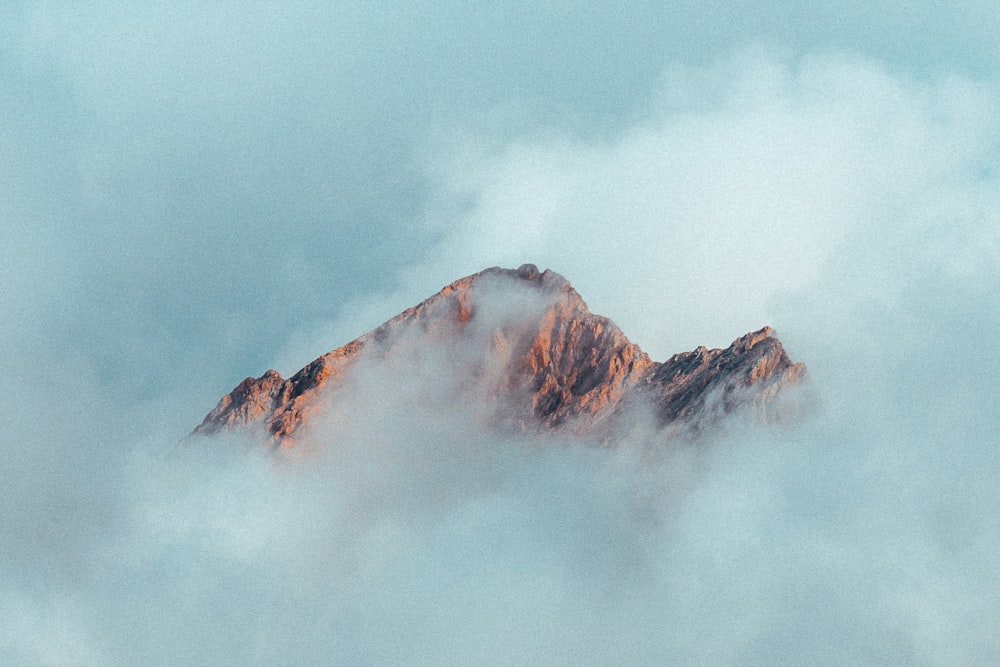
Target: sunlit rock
{"type": "Point", "coordinates": [522, 344]}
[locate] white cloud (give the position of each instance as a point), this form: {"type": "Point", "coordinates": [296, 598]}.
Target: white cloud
{"type": "Point", "coordinates": [850, 205]}
{"type": "Point", "coordinates": [741, 186]}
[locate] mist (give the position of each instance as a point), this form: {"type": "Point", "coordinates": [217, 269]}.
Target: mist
{"type": "Point", "coordinates": [193, 195]}
{"type": "Point", "coordinates": [405, 528]}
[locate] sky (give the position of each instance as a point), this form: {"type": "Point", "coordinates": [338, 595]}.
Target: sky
{"type": "Point", "coordinates": [193, 194]}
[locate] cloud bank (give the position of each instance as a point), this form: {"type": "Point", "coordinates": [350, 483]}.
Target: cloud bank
{"type": "Point", "coordinates": [748, 177]}
{"type": "Point", "coordinates": [180, 212]}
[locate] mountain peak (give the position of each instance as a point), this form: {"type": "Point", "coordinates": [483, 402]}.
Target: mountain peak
{"type": "Point", "coordinates": [523, 343]}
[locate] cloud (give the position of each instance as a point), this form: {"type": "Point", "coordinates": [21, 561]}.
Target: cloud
{"type": "Point", "coordinates": [181, 210]}
{"type": "Point", "coordinates": [410, 533]}
{"type": "Point", "coordinates": [743, 185]}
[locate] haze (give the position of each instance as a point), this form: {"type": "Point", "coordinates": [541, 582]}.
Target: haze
{"type": "Point", "coordinates": [190, 195]}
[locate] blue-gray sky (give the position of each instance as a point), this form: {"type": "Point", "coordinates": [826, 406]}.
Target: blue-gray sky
{"type": "Point", "coordinates": [191, 193]}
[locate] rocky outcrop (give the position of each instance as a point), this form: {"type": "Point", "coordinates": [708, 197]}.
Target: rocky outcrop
{"type": "Point", "coordinates": [700, 385]}
{"type": "Point", "coordinates": [525, 341]}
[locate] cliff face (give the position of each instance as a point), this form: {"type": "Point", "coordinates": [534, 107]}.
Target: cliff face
{"type": "Point", "coordinates": [701, 384]}
{"type": "Point", "coordinates": [524, 342]}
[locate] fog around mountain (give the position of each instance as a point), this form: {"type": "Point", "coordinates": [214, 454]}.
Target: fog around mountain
{"type": "Point", "coordinates": [194, 195]}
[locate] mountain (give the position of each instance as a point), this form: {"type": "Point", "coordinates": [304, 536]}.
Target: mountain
{"type": "Point", "coordinates": [523, 348]}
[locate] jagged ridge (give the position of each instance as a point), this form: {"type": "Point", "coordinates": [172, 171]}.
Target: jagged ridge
{"type": "Point", "coordinates": [553, 363]}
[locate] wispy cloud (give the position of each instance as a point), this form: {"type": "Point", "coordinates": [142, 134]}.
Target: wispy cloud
{"type": "Point", "coordinates": [190, 196]}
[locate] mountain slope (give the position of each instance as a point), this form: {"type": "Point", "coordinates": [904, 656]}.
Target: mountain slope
{"type": "Point", "coordinates": [524, 345]}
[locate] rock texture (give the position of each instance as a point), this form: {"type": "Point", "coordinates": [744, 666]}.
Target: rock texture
{"type": "Point", "coordinates": [525, 341]}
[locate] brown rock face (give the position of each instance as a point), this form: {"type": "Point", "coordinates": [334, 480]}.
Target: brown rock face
{"type": "Point", "coordinates": [525, 342]}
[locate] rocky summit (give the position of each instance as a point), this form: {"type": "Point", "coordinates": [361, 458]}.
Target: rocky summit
{"type": "Point", "coordinates": [523, 346]}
